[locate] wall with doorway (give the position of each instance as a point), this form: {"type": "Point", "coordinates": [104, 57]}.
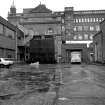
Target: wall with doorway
{"type": "Point", "coordinates": [68, 48]}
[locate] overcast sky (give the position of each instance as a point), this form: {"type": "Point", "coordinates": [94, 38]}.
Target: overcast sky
{"type": "Point", "coordinates": [54, 5]}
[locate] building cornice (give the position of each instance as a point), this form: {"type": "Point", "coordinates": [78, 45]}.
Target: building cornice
{"type": "Point", "coordinates": [90, 12]}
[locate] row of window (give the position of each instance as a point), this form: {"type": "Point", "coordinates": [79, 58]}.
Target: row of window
{"type": "Point", "coordinates": [83, 37]}
{"type": "Point", "coordinates": [79, 20]}
{"type": "Point", "coordinates": [87, 28]}
{"type": "Point", "coordinates": [7, 32]}
{"type": "Point", "coordinates": [82, 28]}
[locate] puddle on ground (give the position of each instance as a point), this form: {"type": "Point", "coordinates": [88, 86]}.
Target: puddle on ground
{"type": "Point", "coordinates": [63, 98]}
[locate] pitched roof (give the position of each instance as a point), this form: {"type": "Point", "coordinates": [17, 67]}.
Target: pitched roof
{"type": "Point", "coordinates": [41, 9]}
{"type": "Point", "coordinates": [7, 23]}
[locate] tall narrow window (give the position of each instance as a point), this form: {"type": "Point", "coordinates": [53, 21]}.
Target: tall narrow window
{"type": "Point", "coordinates": [76, 20]}
{"type": "Point", "coordinates": [79, 20]}
{"type": "Point", "coordinates": [91, 28]}
{"type": "Point", "coordinates": [75, 28]}
{"type": "Point", "coordinates": [63, 28]}
{"type": "Point", "coordinates": [96, 19]}
{"type": "Point", "coordinates": [91, 36]}
{"type": "Point", "coordinates": [88, 20]}
{"type": "Point", "coordinates": [80, 37]}
{"type": "Point", "coordinates": [97, 28]}
{"type": "Point", "coordinates": [62, 20]}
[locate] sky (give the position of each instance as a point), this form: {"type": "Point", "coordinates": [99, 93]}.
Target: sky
{"type": "Point", "coordinates": [54, 5]}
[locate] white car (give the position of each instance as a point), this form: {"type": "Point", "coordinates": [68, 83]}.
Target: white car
{"type": "Point", "coordinates": [5, 62]}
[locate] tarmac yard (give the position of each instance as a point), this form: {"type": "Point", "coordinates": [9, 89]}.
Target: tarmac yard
{"type": "Point", "coordinates": [25, 85]}
{"type": "Point", "coordinates": [83, 85]}
{"type": "Point", "coordinates": [64, 84]}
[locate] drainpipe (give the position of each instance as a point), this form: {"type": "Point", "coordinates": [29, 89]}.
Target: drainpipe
{"type": "Point", "coordinates": [96, 52]}
{"type": "Point", "coordinates": [16, 43]}
{"type": "Point", "coordinates": [102, 46]}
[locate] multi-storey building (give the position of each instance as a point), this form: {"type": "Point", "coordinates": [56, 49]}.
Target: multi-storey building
{"type": "Point", "coordinates": [79, 27]}
{"type": "Point", "coordinates": [99, 44]}
{"type": "Point", "coordinates": [82, 25]}
{"type": "Point", "coordinates": [7, 39]}
{"type": "Point", "coordinates": [11, 41]}
{"type": "Point", "coordinates": [69, 26]}
{"type": "Point", "coordinates": [41, 20]}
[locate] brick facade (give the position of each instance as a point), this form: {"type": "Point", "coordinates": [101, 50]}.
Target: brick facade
{"type": "Point", "coordinates": [99, 44]}
{"type": "Point", "coordinates": [68, 48]}
{"type": "Point", "coordinates": [69, 25]}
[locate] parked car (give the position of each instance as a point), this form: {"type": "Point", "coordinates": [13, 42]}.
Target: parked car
{"type": "Point", "coordinates": [6, 62]}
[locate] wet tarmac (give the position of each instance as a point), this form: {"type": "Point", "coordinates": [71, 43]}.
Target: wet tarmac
{"type": "Point", "coordinates": [64, 84]}
{"type": "Point", "coordinates": [82, 85]}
